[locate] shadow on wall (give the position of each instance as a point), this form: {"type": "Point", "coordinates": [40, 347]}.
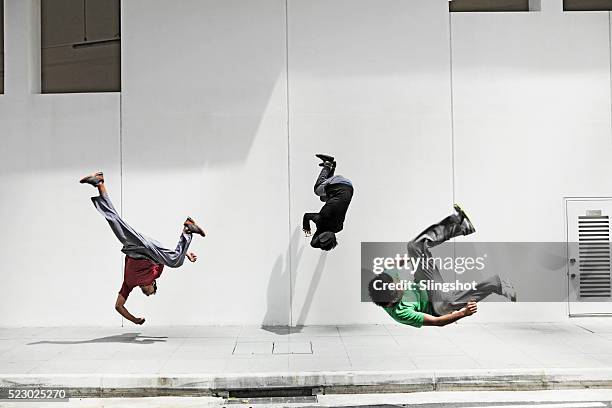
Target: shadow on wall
{"type": "Point", "coordinates": [278, 311]}
{"type": "Point", "coordinates": [133, 338]}
{"type": "Point", "coordinates": [312, 288]}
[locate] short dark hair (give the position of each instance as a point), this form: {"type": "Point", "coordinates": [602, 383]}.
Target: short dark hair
{"type": "Point", "coordinates": [325, 241]}
{"type": "Point", "coordinates": [329, 245]}
{"type": "Point", "coordinates": [154, 284]}
{"type": "Point", "coordinates": [382, 295]}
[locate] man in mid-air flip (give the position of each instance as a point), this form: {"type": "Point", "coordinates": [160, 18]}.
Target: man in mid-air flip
{"type": "Point", "coordinates": [416, 307]}
{"type": "Point", "coordinates": [144, 257]}
{"type": "Point", "coordinates": [336, 192]}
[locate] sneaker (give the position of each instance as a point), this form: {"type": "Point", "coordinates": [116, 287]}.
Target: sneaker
{"type": "Point", "coordinates": [466, 225]}
{"type": "Point", "coordinates": [508, 290]}
{"type": "Point", "coordinates": [192, 228]}
{"type": "Point", "coordinates": [325, 157]}
{"type": "Point", "coordinates": [93, 179]}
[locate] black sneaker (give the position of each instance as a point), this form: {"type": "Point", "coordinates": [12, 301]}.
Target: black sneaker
{"type": "Point", "coordinates": [325, 157]}
{"type": "Point", "coordinates": [466, 225]}
{"type": "Point", "coordinates": [93, 179]}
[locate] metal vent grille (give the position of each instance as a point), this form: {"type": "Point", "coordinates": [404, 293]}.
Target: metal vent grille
{"type": "Point", "coordinates": [594, 255]}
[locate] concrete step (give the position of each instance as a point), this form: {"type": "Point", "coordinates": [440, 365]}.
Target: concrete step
{"type": "Point", "coordinates": [282, 384]}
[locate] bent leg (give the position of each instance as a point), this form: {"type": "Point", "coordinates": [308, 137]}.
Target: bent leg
{"type": "Point", "coordinates": [170, 258]}
{"type": "Point", "coordinates": [138, 244]}
{"type": "Point", "coordinates": [426, 271]}
{"type": "Point", "coordinates": [326, 173]}
{"type": "Point", "coordinates": [418, 251]}
{"type": "Point", "coordinates": [458, 299]}
{"type": "Point", "coordinates": [124, 233]}
{"type": "Point", "coordinates": [436, 234]}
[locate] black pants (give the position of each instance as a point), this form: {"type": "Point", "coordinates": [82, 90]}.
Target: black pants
{"type": "Point", "coordinates": [446, 302]}
{"type": "Point", "coordinates": [326, 173]}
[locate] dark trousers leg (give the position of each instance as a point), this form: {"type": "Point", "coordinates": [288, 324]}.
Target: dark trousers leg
{"type": "Point", "coordinates": [432, 236]}
{"type": "Point", "coordinates": [458, 299]}
{"type": "Point", "coordinates": [171, 258]}
{"type": "Point", "coordinates": [326, 173]}
{"type": "Point", "coordinates": [122, 230]}
{"type": "Point", "coordinates": [140, 244]}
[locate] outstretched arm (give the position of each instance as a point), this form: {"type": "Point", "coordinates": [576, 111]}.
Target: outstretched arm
{"type": "Point", "coordinates": [306, 221]}
{"type": "Point", "coordinates": [469, 310]}
{"type": "Point", "coordinates": [120, 307]}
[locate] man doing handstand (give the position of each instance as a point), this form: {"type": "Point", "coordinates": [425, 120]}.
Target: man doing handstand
{"type": "Point", "coordinates": [144, 257]}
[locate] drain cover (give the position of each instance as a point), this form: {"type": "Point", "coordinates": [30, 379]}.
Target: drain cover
{"type": "Point", "coordinates": [272, 400]}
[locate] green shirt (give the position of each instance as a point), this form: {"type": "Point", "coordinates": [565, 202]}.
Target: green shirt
{"type": "Point", "coordinates": [412, 307]}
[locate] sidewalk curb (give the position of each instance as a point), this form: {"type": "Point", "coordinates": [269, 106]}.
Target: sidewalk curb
{"type": "Point", "coordinates": [117, 385]}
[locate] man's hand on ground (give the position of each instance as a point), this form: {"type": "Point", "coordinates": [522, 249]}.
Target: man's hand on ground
{"type": "Point", "coordinates": [192, 256]}
{"type": "Point", "coordinates": [470, 309]}
{"type": "Point", "coordinates": [139, 320]}
{"type": "Point", "coordinates": [307, 233]}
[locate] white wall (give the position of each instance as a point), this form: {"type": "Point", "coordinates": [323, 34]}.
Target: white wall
{"type": "Point", "coordinates": [214, 123]}
{"type": "Point", "coordinates": [204, 109]}
{"type": "Point", "coordinates": [60, 265]}
{"type": "Point", "coordinates": [370, 84]}
{"type": "Point", "coordinates": [203, 103]}
{"type": "Point", "coordinates": [531, 96]}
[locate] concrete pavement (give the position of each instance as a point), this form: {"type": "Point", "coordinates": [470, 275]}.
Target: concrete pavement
{"type": "Point", "coordinates": [390, 358]}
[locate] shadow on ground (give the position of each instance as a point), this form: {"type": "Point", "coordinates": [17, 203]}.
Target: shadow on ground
{"type": "Point", "coordinates": [134, 338]}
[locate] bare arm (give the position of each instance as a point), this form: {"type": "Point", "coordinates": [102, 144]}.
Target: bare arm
{"type": "Point", "coordinates": [120, 307]}
{"type": "Point", "coordinates": [469, 310]}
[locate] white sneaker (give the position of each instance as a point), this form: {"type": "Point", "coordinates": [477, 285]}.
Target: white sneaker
{"type": "Point", "coordinates": [508, 290]}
